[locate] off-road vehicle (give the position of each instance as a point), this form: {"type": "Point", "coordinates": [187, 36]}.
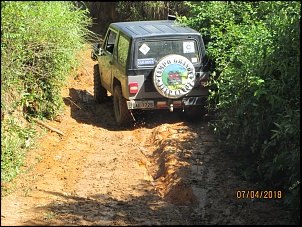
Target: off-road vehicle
{"type": "Point", "coordinates": [151, 65]}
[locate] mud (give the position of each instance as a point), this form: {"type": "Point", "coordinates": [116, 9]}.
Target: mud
{"type": "Point", "coordinates": [164, 170]}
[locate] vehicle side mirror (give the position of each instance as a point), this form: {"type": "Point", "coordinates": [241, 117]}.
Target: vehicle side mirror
{"type": "Point", "coordinates": [101, 52]}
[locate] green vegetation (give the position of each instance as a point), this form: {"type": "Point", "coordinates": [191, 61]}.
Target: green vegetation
{"type": "Point", "coordinates": [39, 42]}
{"type": "Point", "coordinates": [149, 10]}
{"type": "Point", "coordinates": [254, 59]}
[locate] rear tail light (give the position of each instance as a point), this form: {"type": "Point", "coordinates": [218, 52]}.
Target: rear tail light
{"type": "Point", "coordinates": [133, 87]}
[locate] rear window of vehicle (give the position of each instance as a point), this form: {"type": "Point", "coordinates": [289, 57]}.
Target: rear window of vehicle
{"type": "Point", "coordinates": [150, 52]}
{"type": "Point", "coordinates": [122, 50]}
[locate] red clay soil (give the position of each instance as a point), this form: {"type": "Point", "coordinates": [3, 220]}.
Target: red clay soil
{"type": "Point", "coordinates": [162, 171]}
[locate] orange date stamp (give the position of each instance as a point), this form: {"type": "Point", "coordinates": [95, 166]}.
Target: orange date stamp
{"type": "Point", "coordinates": [258, 194]}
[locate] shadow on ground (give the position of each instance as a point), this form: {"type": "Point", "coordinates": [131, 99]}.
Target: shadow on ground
{"type": "Point", "coordinates": [99, 209]}
{"type": "Point", "coordinates": [84, 109]}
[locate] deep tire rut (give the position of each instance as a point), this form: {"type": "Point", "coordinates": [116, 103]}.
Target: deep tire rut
{"type": "Point", "coordinates": [161, 171]}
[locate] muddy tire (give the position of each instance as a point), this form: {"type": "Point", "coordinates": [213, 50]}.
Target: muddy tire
{"type": "Point", "coordinates": [193, 113]}
{"type": "Point", "coordinates": [100, 93]}
{"type": "Point", "coordinates": [121, 112]}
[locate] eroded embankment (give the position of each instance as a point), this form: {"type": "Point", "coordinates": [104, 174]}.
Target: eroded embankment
{"type": "Point", "coordinates": [173, 163]}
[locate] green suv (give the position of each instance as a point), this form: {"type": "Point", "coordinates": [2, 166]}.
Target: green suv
{"type": "Point", "coordinates": [151, 65]}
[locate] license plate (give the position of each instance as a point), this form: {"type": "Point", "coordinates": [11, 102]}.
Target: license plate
{"type": "Point", "coordinates": [140, 104]}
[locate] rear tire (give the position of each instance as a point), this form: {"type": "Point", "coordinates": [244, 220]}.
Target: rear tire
{"type": "Point", "coordinates": [122, 114]}
{"type": "Point", "coordinates": [100, 93]}
{"type": "Point", "coordinates": [193, 113]}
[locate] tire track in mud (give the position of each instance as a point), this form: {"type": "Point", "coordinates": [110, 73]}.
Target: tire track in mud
{"type": "Point", "coordinates": [163, 171]}
{"type": "Point", "coordinates": [92, 176]}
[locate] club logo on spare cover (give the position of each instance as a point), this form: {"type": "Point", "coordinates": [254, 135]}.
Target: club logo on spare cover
{"type": "Point", "coordinates": [174, 76]}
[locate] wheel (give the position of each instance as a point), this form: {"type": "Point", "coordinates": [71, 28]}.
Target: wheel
{"type": "Point", "coordinates": [122, 114]}
{"type": "Point", "coordinates": [193, 113]}
{"type": "Point", "coordinates": [100, 93]}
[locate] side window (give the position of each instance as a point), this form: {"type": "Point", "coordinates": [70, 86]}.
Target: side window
{"type": "Point", "coordinates": [122, 50]}
{"type": "Point", "coordinates": [110, 41]}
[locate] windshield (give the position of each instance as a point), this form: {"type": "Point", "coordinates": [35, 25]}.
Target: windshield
{"type": "Point", "coordinates": [150, 52]}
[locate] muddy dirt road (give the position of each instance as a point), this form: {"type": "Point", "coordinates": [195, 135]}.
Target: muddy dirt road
{"type": "Point", "coordinates": [162, 171]}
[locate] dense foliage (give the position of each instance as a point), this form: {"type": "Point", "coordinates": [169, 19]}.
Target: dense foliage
{"type": "Point", "coordinates": [150, 10]}
{"type": "Point", "coordinates": [104, 13]}
{"type": "Point", "coordinates": [39, 42]}
{"type": "Point", "coordinates": [254, 52]}
{"type": "Point", "coordinates": [254, 58]}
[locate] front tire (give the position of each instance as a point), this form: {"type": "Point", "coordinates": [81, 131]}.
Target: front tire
{"type": "Point", "coordinates": [100, 93]}
{"type": "Point", "coordinates": [122, 114]}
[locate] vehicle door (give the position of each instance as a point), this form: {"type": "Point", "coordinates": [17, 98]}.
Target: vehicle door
{"type": "Point", "coordinates": [106, 60]}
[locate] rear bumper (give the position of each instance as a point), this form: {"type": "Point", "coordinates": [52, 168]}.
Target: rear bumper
{"type": "Point", "coordinates": [150, 104]}
{"type": "Point", "coordinates": [193, 101]}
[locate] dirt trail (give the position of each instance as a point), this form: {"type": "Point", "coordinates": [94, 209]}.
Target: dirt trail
{"type": "Point", "coordinates": [163, 171]}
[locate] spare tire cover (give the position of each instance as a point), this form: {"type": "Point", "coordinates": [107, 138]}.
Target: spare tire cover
{"type": "Point", "coordinates": [174, 76]}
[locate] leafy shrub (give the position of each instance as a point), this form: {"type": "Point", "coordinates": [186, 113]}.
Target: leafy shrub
{"type": "Point", "coordinates": [39, 42]}
{"type": "Point", "coordinates": [149, 10]}
{"type": "Point", "coordinates": [254, 49]}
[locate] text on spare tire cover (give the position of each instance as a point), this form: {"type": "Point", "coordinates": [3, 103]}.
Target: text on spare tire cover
{"type": "Point", "coordinates": [174, 76]}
